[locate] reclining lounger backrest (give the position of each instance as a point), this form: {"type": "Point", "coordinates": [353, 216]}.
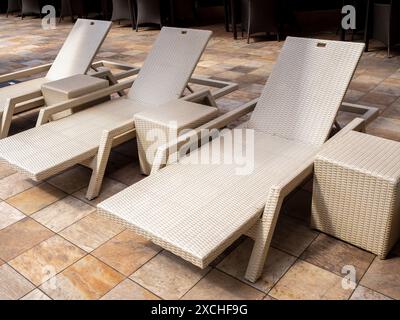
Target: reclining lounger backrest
{"type": "Point", "coordinates": [169, 65]}
{"type": "Point", "coordinates": [305, 89]}
{"type": "Point", "coordinates": [79, 49]}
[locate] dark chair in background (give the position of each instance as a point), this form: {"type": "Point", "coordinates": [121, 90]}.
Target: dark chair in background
{"type": "Point", "coordinates": [80, 8]}
{"type": "Point", "coordinates": [124, 10]}
{"type": "Point", "coordinates": [106, 9]}
{"type": "Point", "coordinates": [386, 23]}
{"type": "Point", "coordinates": [31, 7]}
{"type": "Point", "coordinates": [13, 6]}
{"type": "Point", "coordinates": [260, 16]}
{"type": "Point", "coordinates": [148, 12]}
{"type": "Point", "coordinates": [72, 8]}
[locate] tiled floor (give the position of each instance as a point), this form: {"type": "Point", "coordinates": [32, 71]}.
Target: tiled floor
{"type": "Point", "coordinates": [54, 246]}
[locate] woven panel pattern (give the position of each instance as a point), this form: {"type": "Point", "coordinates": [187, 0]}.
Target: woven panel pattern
{"type": "Point", "coordinates": [48, 149]}
{"type": "Point", "coordinates": [306, 88]}
{"type": "Point", "coordinates": [186, 206]}
{"type": "Point", "coordinates": [79, 49]}
{"type": "Point", "coordinates": [356, 192]}
{"type": "Point", "coordinates": [167, 122]}
{"type": "Point", "coordinates": [169, 65]}
{"type": "Point", "coordinates": [19, 89]}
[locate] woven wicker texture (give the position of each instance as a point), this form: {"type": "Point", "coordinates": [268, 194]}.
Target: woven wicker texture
{"type": "Point", "coordinates": [305, 89]}
{"type": "Point", "coordinates": [79, 49]}
{"type": "Point", "coordinates": [197, 211]}
{"type": "Point", "coordinates": [19, 89]}
{"type": "Point", "coordinates": [186, 206]}
{"type": "Point", "coordinates": [46, 150]}
{"type": "Point", "coordinates": [356, 191]}
{"type": "Point", "coordinates": [167, 122]}
{"type": "Point", "coordinates": [169, 65]}
{"type": "Point", "coordinates": [75, 57]}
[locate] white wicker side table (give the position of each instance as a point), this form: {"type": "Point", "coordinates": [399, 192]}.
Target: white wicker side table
{"type": "Point", "coordinates": [158, 126]}
{"type": "Point", "coordinates": [356, 194]}
{"type": "Point", "coordinates": [72, 87]}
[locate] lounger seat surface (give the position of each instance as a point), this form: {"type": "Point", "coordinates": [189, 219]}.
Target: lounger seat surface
{"type": "Point", "coordinates": [185, 207]}
{"type": "Point", "coordinates": [19, 89]}
{"type": "Point", "coordinates": [67, 141]}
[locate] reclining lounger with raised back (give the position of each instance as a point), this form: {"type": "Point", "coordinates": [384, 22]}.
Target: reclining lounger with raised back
{"type": "Point", "coordinates": [86, 137]}
{"type": "Point", "coordinates": [197, 210]}
{"type": "Point", "coordinates": [75, 57]}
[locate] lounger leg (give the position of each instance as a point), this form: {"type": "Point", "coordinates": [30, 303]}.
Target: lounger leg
{"type": "Point", "coordinates": [6, 119]}
{"type": "Point", "coordinates": [263, 232]}
{"type": "Point", "coordinates": [118, 135]}
{"type": "Point", "coordinates": [99, 166]}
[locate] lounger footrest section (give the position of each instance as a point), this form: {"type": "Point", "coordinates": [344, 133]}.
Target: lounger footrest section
{"type": "Point", "coordinates": [187, 238]}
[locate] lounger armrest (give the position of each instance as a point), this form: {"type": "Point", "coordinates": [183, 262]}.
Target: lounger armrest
{"type": "Point", "coordinates": [357, 124]}
{"type": "Point", "coordinates": [25, 73]}
{"type": "Point", "coordinates": [121, 129]}
{"type": "Point", "coordinates": [47, 112]}
{"type": "Point", "coordinates": [297, 177]}
{"type": "Point", "coordinates": [9, 110]}
{"type": "Point", "coordinates": [163, 154]}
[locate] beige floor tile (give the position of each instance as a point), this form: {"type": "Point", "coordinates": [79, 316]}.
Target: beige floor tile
{"type": "Point", "coordinates": [305, 281]}
{"type": "Point", "coordinates": [36, 295]}
{"type": "Point", "coordinates": [9, 215]}
{"type": "Point", "coordinates": [275, 267]}
{"type": "Point", "coordinates": [46, 259]}
{"type": "Point", "coordinates": [36, 198]}
{"type": "Point", "coordinates": [21, 236]}
{"type": "Point", "coordinates": [128, 290]}
{"type": "Point", "coordinates": [389, 86]}
{"type": "Point", "coordinates": [377, 99]}
{"type": "Point", "coordinates": [71, 180]}
{"type": "Point", "coordinates": [228, 75]}
{"type": "Point", "coordinates": [384, 276]}
{"type": "Point", "coordinates": [219, 286]}
{"type": "Point", "coordinates": [385, 127]}
{"type": "Point", "coordinates": [332, 255]}
{"type": "Point", "coordinates": [13, 285]}
{"type": "Point", "coordinates": [109, 188]}
{"type": "Point", "coordinates": [89, 278]}
{"type": "Point", "coordinates": [365, 82]}
{"type": "Point", "coordinates": [14, 184]}
{"type": "Point", "coordinates": [353, 95]}
{"type": "Point", "coordinates": [393, 111]}
{"type": "Point", "coordinates": [168, 276]}
{"type": "Point", "coordinates": [129, 174]}
{"type": "Point", "coordinates": [292, 235]}
{"type": "Point", "coordinates": [363, 293]}
{"type": "Point", "coordinates": [63, 213]}
{"type": "Point", "coordinates": [126, 252]}
{"type": "Point", "coordinates": [5, 170]}
{"type": "Point", "coordinates": [91, 232]}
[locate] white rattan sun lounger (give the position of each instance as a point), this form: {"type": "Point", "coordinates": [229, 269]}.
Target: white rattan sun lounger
{"type": "Point", "coordinates": [197, 210]}
{"type": "Point", "coordinates": [87, 136]}
{"type": "Point", "coordinates": [75, 57]}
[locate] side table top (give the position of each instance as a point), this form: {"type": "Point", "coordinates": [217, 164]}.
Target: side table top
{"type": "Point", "coordinates": [183, 112]}
{"type": "Point", "coordinates": [366, 153]}
{"type": "Point", "coordinates": [77, 84]}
